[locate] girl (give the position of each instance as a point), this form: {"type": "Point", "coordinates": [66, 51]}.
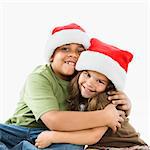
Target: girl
{"type": "Point", "coordinates": [101, 69]}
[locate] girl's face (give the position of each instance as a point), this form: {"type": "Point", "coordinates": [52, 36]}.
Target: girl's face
{"type": "Point", "coordinates": [64, 59]}
{"type": "Point", "coordinates": [91, 83]}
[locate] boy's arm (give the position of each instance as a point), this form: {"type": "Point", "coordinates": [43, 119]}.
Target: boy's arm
{"type": "Point", "coordinates": [120, 99]}
{"type": "Point", "coordinates": [40, 101]}
{"type": "Point", "coordinates": [73, 120]}
{"type": "Point", "coordinates": [83, 137]}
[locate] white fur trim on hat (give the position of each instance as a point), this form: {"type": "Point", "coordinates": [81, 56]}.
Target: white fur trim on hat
{"type": "Point", "coordinates": [65, 37]}
{"type": "Point", "coordinates": [95, 61]}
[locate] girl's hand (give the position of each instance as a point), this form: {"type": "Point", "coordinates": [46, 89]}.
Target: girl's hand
{"type": "Point", "coordinates": [44, 139]}
{"type": "Point", "coordinates": [120, 99]}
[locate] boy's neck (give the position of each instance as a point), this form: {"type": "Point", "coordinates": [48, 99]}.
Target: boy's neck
{"type": "Point", "coordinates": [66, 78]}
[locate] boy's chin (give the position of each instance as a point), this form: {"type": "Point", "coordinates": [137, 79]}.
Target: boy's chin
{"type": "Point", "coordinates": [69, 72]}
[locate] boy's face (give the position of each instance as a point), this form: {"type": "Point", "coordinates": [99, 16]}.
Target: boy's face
{"type": "Point", "coordinates": [64, 59]}
{"type": "Point", "coordinates": [92, 83]}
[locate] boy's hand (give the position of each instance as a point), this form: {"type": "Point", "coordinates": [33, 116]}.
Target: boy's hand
{"type": "Point", "coordinates": [120, 99]}
{"type": "Point", "coordinates": [44, 139]}
{"type": "Point", "coordinates": [114, 117]}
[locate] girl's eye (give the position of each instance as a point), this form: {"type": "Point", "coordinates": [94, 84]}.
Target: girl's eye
{"type": "Point", "coordinates": [86, 74]}
{"type": "Point", "coordinates": [99, 81]}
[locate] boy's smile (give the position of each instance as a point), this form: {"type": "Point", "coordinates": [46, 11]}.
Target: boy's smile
{"type": "Point", "coordinates": [71, 62]}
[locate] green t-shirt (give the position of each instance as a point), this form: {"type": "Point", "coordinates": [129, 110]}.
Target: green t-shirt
{"type": "Point", "coordinates": [42, 92]}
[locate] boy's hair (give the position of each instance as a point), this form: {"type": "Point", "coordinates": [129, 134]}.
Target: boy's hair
{"type": "Point", "coordinates": [61, 35]}
{"type": "Point", "coordinates": [75, 99]}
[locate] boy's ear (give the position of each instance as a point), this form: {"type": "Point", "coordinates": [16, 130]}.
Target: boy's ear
{"type": "Point", "coordinates": [51, 59]}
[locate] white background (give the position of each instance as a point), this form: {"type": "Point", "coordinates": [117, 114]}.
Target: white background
{"type": "Point", "coordinates": [24, 28]}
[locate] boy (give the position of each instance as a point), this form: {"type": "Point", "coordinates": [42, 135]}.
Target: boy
{"type": "Point", "coordinates": [42, 103]}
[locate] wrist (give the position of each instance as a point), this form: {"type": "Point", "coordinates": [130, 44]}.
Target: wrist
{"type": "Point", "coordinates": [57, 136]}
{"type": "Point", "coordinates": [52, 137]}
{"type": "Point", "coordinates": [104, 117]}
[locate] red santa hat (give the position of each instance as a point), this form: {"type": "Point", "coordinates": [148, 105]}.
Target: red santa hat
{"type": "Point", "coordinates": [106, 59]}
{"type": "Point", "coordinates": [71, 33]}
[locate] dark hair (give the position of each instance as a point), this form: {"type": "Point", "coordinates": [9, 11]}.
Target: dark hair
{"type": "Point", "coordinates": [75, 99]}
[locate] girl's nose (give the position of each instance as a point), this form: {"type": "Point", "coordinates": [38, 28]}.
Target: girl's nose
{"type": "Point", "coordinates": [90, 82]}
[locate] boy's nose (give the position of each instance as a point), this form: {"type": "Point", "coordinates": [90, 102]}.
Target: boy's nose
{"type": "Point", "coordinates": [73, 54]}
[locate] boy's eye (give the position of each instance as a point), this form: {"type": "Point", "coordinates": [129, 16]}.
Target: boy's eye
{"type": "Point", "coordinates": [65, 49]}
{"type": "Point", "coordinates": [81, 50]}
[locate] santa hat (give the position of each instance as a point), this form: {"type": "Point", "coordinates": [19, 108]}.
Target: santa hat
{"type": "Point", "coordinates": [106, 59]}
{"type": "Point", "coordinates": [62, 35]}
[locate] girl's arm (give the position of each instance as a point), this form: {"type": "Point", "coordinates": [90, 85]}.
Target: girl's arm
{"type": "Point", "coordinates": [83, 137]}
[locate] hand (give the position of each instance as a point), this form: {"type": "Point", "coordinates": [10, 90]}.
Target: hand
{"type": "Point", "coordinates": [114, 116]}
{"type": "Point", "coordinates": [120, 99]}
{"type": "Point", "coordinates": [44, 139]}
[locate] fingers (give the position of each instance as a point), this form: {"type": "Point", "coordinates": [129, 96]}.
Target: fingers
{"type": "Point", "coordinates": [121, 119]}
{"type": "Point", "coordinates": [122, 104]}
{"type": "Point", "coordinates": [36, 140]}
{"type": "Point", "coordinates": [115, 92]}
{"type": "Point", "coordinates": [120, 99]}
{"type": "Point", "coordinates": [37, 144]}
{"type": "Point", "coordinates": [118, 102]}
{"type": "Point", "coordinates": [114, 129]}
{"type": "Point", "coordinates": [123, 107]}
{"type": "Point", "coordinates": [118, 125]}
{"type": "Point", "coordinates": [121, 113]}
{"type": "Point", "coordinates": [114, 95]}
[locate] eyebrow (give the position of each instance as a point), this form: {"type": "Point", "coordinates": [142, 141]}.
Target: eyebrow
{"type": "Point", "coordinates": [74, 43]}
{"type": "Point", "coordinates": [97, 78]}
{"type": "Point", "coordinates": [66, 45]}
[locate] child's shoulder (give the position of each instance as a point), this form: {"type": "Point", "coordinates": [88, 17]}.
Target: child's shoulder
{"type": "Point", "coordinates": [41, 70]}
